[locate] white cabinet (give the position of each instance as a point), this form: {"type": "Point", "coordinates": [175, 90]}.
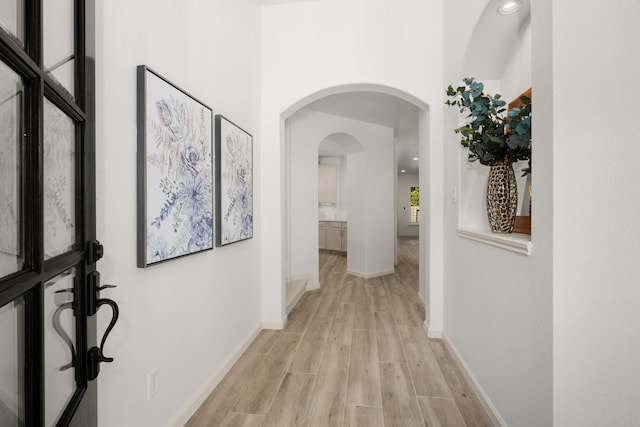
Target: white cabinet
{"type": "Point", "coordinates": [327, 184]}
{"type": "Point", "coordinates": [321, 235]}
{"type": "Point", "coordinates": [333, 235]}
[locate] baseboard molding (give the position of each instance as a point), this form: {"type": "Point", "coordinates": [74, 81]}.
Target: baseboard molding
{"type": "Point", "coordinates": [201, 395]}
{"type": "Point", "coordinates": [274, 325]}
{"type": "Point", "coordinates": [371, 275]}
{"type": "Point", "coordinates": [486, 403]}
{"type": "Point", "coordinates": [421, 298]}
{"type": "Point", "coordinates": [431, 333]}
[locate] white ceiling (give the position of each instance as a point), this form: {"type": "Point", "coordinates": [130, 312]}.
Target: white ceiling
{"type": "Point", "coordinates": [380, 109]}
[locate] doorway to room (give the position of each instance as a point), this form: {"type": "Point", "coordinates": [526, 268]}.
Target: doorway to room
{"type": "Point", "coordinates": [375, 110]}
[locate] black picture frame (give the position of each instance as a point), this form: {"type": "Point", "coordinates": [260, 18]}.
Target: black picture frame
{"type": "Point", "coordinates": [175, 181]}
{"type": "Point", "coordinates": [234, 182]}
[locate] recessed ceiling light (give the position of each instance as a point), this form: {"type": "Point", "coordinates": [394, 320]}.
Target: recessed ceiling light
{"type": "Point", "coordinates": [402, 171]}
{"type": "Point", "coordinates": [509, 6]}
{"type": "Point", "coordinates": [415, 158]}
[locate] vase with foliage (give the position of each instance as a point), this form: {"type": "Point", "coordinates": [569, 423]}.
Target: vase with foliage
{"type": "Point", "coordinates": [495, 138]}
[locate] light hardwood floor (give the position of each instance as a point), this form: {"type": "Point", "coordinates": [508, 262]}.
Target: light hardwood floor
{"type": "Point", "coordinates": [352, 354]}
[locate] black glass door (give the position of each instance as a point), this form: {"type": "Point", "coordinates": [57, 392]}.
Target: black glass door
{"type": "Point", "coordinates": [48, 251]}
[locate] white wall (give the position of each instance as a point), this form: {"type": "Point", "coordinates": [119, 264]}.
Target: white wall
{"type": "Point", "coordinates": [596, 337]}
{"type": "Point", "coordinates": [370, 225]}
{"type": "Point", "coordinates": [185, 317]}
{"type": "Point", "coordinates": [375, 42]}
{"type": "Point", "coordinates": [403, 192]}
{"type": "Point", "coordinates": [497, 303]}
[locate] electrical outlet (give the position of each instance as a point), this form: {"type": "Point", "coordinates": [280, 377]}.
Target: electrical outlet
{"type": "Point", "coordinates": [152, 383]}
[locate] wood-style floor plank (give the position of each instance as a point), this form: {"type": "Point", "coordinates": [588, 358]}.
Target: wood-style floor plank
{"type": "Point", "coordinates": [260, 392]}
{"type": "Point", "coordinates": [440, 412]}
{"type": "Point", "coordinates": [310, 350]}
{"type": "Point", "coordinates": [289, 406]}
{"type": "Point", "coordinates": [220, 402]}
{"type": "Point", "coordinates": [364, 374]}
{"type": "Point", "coordinates": [399, 402]}
{"type": "Point", "coordinates": [362, 416]}
{"type": "Point", "coordinates": [353, 353]}
{"type": "Point", "coordinates": [300, 317]}
{"type": "Point", "coordinates": [242, 420]}
{"type": "Point", "coordinates": [326, 407]}
{"type": "Point", "coordinates": [389, 343]}
{"type": "Point", "coordinates": [365, 319]}
{"type": "Point", "coordinates": [264, 341]}
{"type": "Point", "coordinates": [342, 328]}
{"type": "Point", "coordinates": [423, 365]}
{"type": "Point", "coordinates": [467, 402]}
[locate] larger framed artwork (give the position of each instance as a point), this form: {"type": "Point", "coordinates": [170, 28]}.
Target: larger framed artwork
{"type": "Point", "coordinates": [234, 184]}
{"type": "Point", "coordinates": [175, 171]}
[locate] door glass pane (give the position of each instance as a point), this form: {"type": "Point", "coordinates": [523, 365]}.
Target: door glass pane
{"type": "Point", "coordinates": [59, 345]}
{"type": "Point", "coordinates": [59, 34]}
{"type": "Point", "coordinates": [59, 181]}
{"type": "Point", "coordinates": [10, 131]}
{"type": "Point", "coordinates": [11, 17]}
{"type": "Point", "coordinates": [11, 364]}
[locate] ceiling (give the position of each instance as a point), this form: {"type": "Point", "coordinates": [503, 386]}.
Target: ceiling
{"type": "Point", "coordinates": [379, 109]}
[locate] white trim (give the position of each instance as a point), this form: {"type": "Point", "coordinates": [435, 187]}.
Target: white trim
{"type": "Point", "coordinates": [274, 325]}
{"type": "Point", "coordinates": [201, 395]}
{"type": "Point", "coordinates": [371, 275]}
{"type": "Point", "coordinates": [421, 298]}
{"type": "Point", "coordinates": [431, 333]}
{"type": "Point", "coordinates": [486, 403]}
{"type": "Point", "coordinates": [515, 242]}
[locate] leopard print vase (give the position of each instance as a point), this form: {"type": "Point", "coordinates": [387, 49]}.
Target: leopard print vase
{"type": "Point", "coordinates": [502, 198]}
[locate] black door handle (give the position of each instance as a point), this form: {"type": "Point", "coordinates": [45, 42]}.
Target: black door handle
{"type": "Point", "coordinates": [96, 354]}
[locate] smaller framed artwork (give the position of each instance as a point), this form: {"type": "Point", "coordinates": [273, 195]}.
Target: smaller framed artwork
{"type": "Point", "coordinates": [175, 171]}
{"type": "Point", "coordinates": [234, 183]}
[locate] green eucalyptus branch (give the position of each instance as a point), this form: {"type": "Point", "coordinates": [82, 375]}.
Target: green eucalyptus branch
{"type": "Point", "coordinates": [490, 137]}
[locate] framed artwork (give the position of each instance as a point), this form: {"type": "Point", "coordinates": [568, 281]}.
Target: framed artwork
{"type": "Point", "coordinates": [175, 171]}
{"type": "Point", "coordinates": [234, 184]}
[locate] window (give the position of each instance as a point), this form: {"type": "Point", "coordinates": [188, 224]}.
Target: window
{"type": "Point", "coordinates": [415, 205]}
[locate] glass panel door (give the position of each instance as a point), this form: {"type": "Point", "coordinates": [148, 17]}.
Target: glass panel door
{"type": "Point", "coordinates": [11, 93]}
{"type": "Point", "coordinates": [12, 17]}
{"type": "Point", "coordinates": [12, 398]}
{"type": "Point", "coordinates": [59, 181]}
{"type": "Point", "coordinates": [59, 344]}
{"type": "Point", "coordinates": [59, 38]}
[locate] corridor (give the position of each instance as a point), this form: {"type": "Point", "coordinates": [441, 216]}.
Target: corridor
{"type": "Point", "coordinates": [352, 354]}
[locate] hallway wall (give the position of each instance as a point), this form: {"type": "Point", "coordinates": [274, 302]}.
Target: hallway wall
{"type": "Point", "coordinates": [314, 45]}
{"type": "Point", "coordinates": [187, 317]}
{"type": "Point", "coordinates": [498, 304]}
{"type": "Point", "coordinates": [370, 189]}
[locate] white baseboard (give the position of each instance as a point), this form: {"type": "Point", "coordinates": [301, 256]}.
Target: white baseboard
{"type": "Point", "coordinates": [201, 395]}
{"type": "Point", "coordinates": [371, 275]}
{"type": "Point", "coordinates": [432, 333]}
{"type": "Point", "coordinates": [421, 298]}
{"type": "Point", "coordinates": [274, 325]}
{"type": "Point", "coordinates": [486, 403]}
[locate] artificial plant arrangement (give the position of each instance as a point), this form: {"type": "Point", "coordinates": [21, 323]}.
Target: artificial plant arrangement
{"type": "Point", "coordinates": [496, 140]}
{"type": "Point", "coordinates": [492, 137]}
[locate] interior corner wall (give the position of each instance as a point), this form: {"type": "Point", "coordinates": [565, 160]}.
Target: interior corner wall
{"type": "Point", "coordinates": [373, 42]}
{"type": "Point", "coordinates": [498, 304]}
{"type": "Point", "coordinates": [371, 229]}
{"type": "Point", "coordinates": [185, 318]}
{"type": "Point", "coordinates": [404, 184]}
